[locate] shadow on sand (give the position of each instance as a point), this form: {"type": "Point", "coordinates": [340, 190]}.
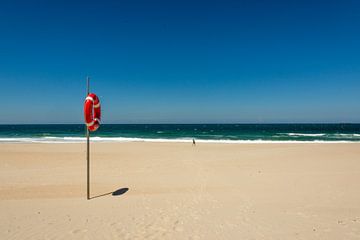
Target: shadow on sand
{"type": "Point", "coordinates": [118, 192]}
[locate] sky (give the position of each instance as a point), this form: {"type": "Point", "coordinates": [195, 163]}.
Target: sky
{"type": "Point", "coordinates": [181, 61]}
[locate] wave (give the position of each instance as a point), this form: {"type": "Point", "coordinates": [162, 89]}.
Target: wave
{"type": "Point", "coordinates": [306, 134]}
{"type": "Point", "coordinates": [347, 135]}
{"type": "Point", "coordinates": [336, 135]}
{"type": "Point", "coordinates": [178, 140]}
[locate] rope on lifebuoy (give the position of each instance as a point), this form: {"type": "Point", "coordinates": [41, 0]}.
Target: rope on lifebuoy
{"type": "Point", "coordinates": [92, 112]}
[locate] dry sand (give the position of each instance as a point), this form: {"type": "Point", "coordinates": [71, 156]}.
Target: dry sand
{"type": "Point", "coordinates": [176, 191]}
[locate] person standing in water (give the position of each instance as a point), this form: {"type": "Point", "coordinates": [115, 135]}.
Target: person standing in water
{"type": "Point", "coordinates": [194, 144]}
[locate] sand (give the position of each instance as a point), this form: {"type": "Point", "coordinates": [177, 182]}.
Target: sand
{"type": "Point", "coordinates": [176, 191]}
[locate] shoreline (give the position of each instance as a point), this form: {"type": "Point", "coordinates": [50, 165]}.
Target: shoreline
{"type": "Point", "coordinates": [72, 140]}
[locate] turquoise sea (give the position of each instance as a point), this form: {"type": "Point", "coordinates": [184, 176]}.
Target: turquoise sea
{"type": "Point", "coordinates": [227, 133]}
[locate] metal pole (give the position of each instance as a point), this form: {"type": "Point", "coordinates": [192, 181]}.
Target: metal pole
{"type": "Point", "coordinates": [88, 145]}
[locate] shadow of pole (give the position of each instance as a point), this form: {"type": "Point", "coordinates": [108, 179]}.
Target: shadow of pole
{"type": "Point", "coordinates": [118, 192]}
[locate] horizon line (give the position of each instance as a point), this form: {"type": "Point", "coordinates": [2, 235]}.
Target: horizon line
{"type": "Point", "coordinates": [245, 123]}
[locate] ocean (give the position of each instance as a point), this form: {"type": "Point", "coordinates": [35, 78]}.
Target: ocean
{"type": "Point", "coordinates": [222, 133]}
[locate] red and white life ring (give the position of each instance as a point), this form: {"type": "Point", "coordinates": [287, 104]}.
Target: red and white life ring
{"type": "Point", "coordinates": [92, 111]}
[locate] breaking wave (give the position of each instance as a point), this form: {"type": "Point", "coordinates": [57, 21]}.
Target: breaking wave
{"type": "Point", "coordinates": [124, 139]}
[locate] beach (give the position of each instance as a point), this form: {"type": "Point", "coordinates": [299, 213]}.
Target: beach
{"type": "Point", "coordinates": [179, 191]}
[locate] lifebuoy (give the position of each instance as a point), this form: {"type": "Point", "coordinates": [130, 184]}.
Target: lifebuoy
{"type": "Point", "coordinates": [92, 112]}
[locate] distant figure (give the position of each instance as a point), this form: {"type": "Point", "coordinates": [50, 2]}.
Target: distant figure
{"type": "Point", "coordinates": [194, 143]}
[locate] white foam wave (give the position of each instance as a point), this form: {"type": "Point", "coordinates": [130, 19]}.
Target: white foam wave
{"type": "Point", "coordinates": [307, 134]}
{"type": "Point", "coordinates": [124, 139]}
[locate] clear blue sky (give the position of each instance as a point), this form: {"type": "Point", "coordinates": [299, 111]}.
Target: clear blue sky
{"type": "Point", "coordinates": [181, 61]}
